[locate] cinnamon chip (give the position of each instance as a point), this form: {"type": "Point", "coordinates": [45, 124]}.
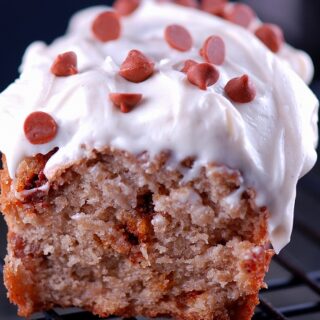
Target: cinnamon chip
{"type": "Point", "coordinates": [126, 7]}
{"type": "Point", "coordinates": [40, 128]}
{"type": "Point", "coordinates": [240, 14]}
{"type": "Point", "coordinates": [241, 90]}
{"type": "Point", "coordinates": [187, 3]}
{"type": "Point", "coordinates": [203, 75]}
{"type": "Point", "coordinates": [136, 67]}
{"type": "Point", "coordinates": [271, 35]}
{"type": "Point", "coordinates": [125, 101]}
{"type": "Point", "coordinates": [106, 26]}
{"type": "Point", "coordinates": [215, 7]}
{"type": "Point", "coordinates": [187, 65]}
{"type": "Point", "coordinates": [214, 50]}
{"type": "Point", "coordinates": [178, 37]}
{"type": "Point", "coordinates": [65, 65]}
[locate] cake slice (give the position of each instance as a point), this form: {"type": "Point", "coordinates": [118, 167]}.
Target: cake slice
{"type": "Point", "coordinates": [120, 234]}
{"type": "Point", "coordinates": [150, 161]}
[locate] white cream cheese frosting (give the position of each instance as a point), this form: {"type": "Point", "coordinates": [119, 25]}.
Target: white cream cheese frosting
{"type": "Point", "coordinates": [271, 140]}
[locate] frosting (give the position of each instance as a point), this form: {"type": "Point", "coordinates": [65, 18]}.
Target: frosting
{"type": "Point", "coordinates": [271, 140]}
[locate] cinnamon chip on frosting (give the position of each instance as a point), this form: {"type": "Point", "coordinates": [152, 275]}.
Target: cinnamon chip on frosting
{"type": "Point", "coordinates": [65, 65]}
{"type": "Point", "coordinates": [136, 67]}
{"type": "Point", "coordinates": [178, 37]}
{"type": "Point", "coordinates": [203, 75]}
{"type": "Point", "coordinates": [125, 101]}
{"type": "Point", "coordinates": [271, 35]}
{"type": "Point", "coordinates": [126, 7]}
{"type": "Point", "coordinates": [40, 128]}
{"type": "Point", "coordinates": [106, 26]}
{"type": "Point", "coordinates": [240, 14]}
{"type": "Point", "coordinates": [213, 50]}
{"type": "Point", "coordinates": [187, 65]}
{"type": "Point", "coordinates": [187, 3]}
{"type": "Point", "coordinates": [241, 90]}
{"type": "Point", "coordinates": [215, 7]}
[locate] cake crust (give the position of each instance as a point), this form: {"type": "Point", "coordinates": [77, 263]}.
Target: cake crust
{"type": "Point", "coordinates": [118, 234]}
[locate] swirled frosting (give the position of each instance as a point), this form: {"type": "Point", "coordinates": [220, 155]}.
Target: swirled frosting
{"type": "Point", "coordinates": [271, 140]}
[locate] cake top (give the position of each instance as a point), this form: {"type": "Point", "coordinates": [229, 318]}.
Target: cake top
{"type": "Point", "coordinates": [153, 76]}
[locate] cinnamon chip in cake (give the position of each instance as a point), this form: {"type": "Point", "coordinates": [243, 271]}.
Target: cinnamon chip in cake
{"type": "Point", "coordinates": [106, 26]}
{"type": "Point", "coordinates": [240, 14]}
{"type": "Point", "coordinates": [178, 37]}
{"type": "Point", "coordinates": [65, 65]}
{"type": "Point", "coordinates": [271, 35]}
{"type": "Point", "coordinates": [126, 7]}
{"type": "Point", "coordinates": [40, 128]}
{"type": "Point", "coordinates": [203, 75]}
{"type": "Point", "coordinates": [136, 67]}
{"type": "Point", "coordinates": [215, 7]}
{"type": "Point", "coordinates": [214, 50]}
{"type": "Point", "coordinates": [241, 90]}
{"type": "Point", "coordinates": [187, 65]}
{"type": "Point", "coordinates": [125, 101]}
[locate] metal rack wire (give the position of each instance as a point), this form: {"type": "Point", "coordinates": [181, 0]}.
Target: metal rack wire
{"type": "Point", "coordinates": [298, 278]}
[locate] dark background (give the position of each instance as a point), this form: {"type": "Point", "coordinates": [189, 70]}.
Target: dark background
{"type": "Point", "coordinates": [24, 21]}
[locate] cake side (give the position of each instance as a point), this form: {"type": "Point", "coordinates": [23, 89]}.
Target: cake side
{"type": "Point", "coordinates": [122, 234]}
